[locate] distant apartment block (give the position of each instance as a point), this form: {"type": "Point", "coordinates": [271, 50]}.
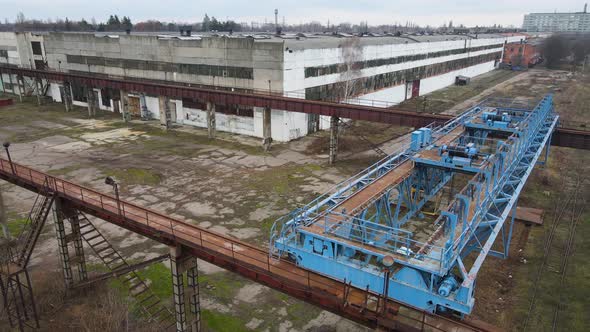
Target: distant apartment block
{"type": "Point", "coordinates": [557, 22]}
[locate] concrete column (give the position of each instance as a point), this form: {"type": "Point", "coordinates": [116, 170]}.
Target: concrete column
{"type": "Point", "coordinates": [38, 91]}
{"type": "Point", "coordinates": [20, 92]}
{"type": "Point", "coordinates": [62, 243]}
{"type": "Point", "coordinates": [266, 128]}
{"type": "Point", "coordinates": [145, 112]}
{"type": "Point", "coordinates": [333, 138]}
{"type": "Point", "coordinates": [192, 276]}
{"type": "Point", "coordinates": [11, 84]}
{"type": "Point", "coordinates": [125, 106]}
{"type": "Point", "coordinates": [211, 120]}
{"type": "Point", "coordinates": [67, 97]}
{"type": "Point", "coordinates": [165, 115]}
{"type": "Point", "coordinates": [90, 102]}
{"type": "Point", "coordinates": [62, 212]}
{"type": "Point", "coordinates": [76, 237]}
{"type": "Point", "coordinates": [178, 289]}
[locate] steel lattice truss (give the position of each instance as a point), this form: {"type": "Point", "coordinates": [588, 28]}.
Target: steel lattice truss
{"type": "Point", "coordinates": [363, 230]}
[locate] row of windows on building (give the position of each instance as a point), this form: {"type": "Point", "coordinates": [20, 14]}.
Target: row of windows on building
{"type": "Point", "coordinates": [79, 93]}
{"type": "Point", "coordinates": [343, 67]}
{"type": "Point", "coordinates": [182, 68]}
{"type": "Point", "coordinates": [341, 90]}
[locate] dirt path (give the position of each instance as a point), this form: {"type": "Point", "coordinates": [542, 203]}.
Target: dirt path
{"type": "Point", "coordinates": [462, 106]}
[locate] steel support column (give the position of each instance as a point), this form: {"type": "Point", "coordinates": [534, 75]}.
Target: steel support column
{"type": "Point", "coordinates": [211, 120]}
{"type": "Point", "coordinates": [334, 120]}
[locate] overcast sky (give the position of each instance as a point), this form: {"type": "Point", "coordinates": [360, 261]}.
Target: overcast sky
{"type": "Point", "coordinates": [423, 12]}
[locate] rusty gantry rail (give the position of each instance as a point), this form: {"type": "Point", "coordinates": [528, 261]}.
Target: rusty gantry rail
{"type": "Point", "coordinates": [365, 307]}
{"type": "Point", "coordinates": [566, 137]}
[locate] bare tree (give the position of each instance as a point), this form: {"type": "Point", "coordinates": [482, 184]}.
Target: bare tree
{"type": "Point", "coordinates": [554, 50]}
{"type": "Point", "coordinates": [350, 69]}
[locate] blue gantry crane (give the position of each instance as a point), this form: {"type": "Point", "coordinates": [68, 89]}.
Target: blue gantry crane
{"type": "Point", "coordinates": [402, 228]}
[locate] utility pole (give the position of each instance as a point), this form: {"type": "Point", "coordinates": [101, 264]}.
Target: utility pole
{"type": "Point", "coordinates": [277, 21]}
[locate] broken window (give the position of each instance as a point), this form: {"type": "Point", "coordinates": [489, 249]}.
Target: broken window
{"type": "Point", "coordinates": [40, 64]}
{"type": "Point", "coordinates": [36, 46]}
{"type": "Point", "coordinates": [78, 93]}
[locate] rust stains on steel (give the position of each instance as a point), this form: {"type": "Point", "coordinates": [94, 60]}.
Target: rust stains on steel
{"type": "Point", "coordinates": [565, 137]}
{"type": "Point", "coordinates": [365, 307]}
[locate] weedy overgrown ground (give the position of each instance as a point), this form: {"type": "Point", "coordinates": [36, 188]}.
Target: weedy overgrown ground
{"type": "Point", "coordinates": [230, 185]}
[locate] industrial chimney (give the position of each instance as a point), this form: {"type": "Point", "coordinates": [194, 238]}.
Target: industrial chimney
{"type": "Point", "coordinates": [585, 8]}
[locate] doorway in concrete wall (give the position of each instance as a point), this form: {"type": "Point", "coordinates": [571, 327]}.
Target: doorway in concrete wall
{"type": "Point", "coordinates": [412, 89]}
{"type": "Point", "coordinates": [313, 123]}
{"type": "Point", "coordinates": [134, 108]}
{"type": "Point", "coordinates": [415, 88]}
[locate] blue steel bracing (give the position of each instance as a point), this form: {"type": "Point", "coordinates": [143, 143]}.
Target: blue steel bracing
{"type": "Point", "coordinates": [347, 232]}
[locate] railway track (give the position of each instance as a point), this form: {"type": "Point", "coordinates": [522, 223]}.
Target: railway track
{"type": "Point", "coordinates": [554, 261]}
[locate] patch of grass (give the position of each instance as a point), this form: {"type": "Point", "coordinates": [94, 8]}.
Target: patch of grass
{"type": "Point", "coordinates": [220, 322]}
{"type": "Point", "coordinates": [221, 285]}
{"type": "Point", "coordinates": [64, 170]}
{"type": "Point", "coordinates": [300, 313]}
{"type": "Point", "coordinates": [161, 280]}
{"type": "Point", "coordinates": [15, 226]}
{"type": "Point", "coordinates": [131, 176]}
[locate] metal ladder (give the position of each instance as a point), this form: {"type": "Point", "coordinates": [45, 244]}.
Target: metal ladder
{"type": "Point", "coordinates": [15, 283]}
{"type": "Point", "coordinates": [149, 303]}
{"type": "Point", "coordinates": [30, 234]}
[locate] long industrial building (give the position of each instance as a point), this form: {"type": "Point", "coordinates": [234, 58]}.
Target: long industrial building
{"type": "Point", "coordinates": [383, 68]}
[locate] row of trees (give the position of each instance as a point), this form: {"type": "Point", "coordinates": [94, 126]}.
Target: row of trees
{"type": "Point", "coordinates": [114, 23]}
{"type": "Point", "coordinates": [572, 48]}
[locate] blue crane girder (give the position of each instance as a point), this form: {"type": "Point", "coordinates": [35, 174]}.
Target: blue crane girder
{"type": "Point", "coordinates": [354, 231]}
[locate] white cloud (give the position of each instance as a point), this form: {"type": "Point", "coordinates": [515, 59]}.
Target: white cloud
{"type": "Point", "coordinates": [423, 12]}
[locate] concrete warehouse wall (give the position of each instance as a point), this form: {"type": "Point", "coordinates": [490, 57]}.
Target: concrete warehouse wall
{"type": "Point", "coordinates": [251, 64]}
{"type": "Point", "coordinates": [218, 61]}
{"type": "Point", "coordinates": [296, 61]}
{"type": "Point", "coordinates": [16, 50]}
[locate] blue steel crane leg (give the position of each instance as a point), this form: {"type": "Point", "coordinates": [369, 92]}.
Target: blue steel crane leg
{"type": "Point", "coordinates": [430, 275]}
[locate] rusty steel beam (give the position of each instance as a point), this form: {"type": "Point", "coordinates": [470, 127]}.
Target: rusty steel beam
{"type": "Point", "coordinates": [564, 137]}
{"type": "Point", "coordinates": [234, 255]}
{"type": "Point", "coordinates": [571, 138]}
{"type": "Point", "coordinates": [256, 99]}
